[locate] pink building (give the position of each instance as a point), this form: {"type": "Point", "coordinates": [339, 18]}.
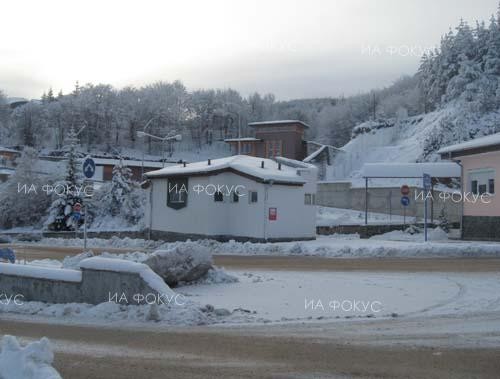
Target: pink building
{"type": "Point", "coordinates": [480, 160]}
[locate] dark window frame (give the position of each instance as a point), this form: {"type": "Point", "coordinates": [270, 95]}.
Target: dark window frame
{"type": "Point", "coordinates": [174, 203]}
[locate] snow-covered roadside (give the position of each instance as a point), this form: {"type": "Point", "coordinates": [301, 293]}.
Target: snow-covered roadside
{"type": "Point", "coordinates": [393, 244]}
{"type": "Point", "coordinates": [329, 216]}
{"type": "Point", "coordinates": [33, 361]}
{"type": "Point", "coordinates": [270, 297]}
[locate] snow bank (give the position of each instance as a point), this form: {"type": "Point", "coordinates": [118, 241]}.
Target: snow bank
{"type": "Point", "coordinates": [120, 265]}
{"type": "Point", "coordinates": [31, 362]}
{"type": "Point", "coordinates": [41, 272]}
{"type": "Point", "coordinates": [184, 262]}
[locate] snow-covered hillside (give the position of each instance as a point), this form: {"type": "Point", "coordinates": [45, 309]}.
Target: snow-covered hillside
{"type": "Point", "coordinates": [412, 139]}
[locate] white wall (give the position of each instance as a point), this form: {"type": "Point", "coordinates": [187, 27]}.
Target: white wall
{"type": "Point", "coordinates": [204, 216]}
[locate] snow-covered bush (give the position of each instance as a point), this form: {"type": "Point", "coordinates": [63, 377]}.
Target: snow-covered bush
{"type": "Point", "coordinates": [23, 206]}
{"type": "Point", "coordinates": [33, 361]}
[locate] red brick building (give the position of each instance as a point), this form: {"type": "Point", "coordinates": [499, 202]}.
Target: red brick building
{"type": "Point", "coordinates": [284, 138]}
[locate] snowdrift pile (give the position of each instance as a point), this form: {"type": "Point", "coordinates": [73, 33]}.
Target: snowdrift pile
{"type": "Point", "coordinates": [33, 361]}
{"type": "Point", "coordinates": [182, 263]}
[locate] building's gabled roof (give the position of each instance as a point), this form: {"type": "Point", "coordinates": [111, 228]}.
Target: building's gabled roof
{"type": "Point", "coordinates": [477, 143]}
{"type": "Point", "coordinates": [240, 164]}
{"type": "Point", "coordinates": [411, 170]}
{"type": "Point", "coordinates": [278, 122]}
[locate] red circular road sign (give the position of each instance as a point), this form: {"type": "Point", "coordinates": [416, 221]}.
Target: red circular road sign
{"type": "Point", "coordinates": [77, 207]}
{"type": "Point", "coordinates": [405, 190]}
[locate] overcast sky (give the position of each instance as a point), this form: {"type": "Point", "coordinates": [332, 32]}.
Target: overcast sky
{"type": "Point", "coordinates": [292, 48]}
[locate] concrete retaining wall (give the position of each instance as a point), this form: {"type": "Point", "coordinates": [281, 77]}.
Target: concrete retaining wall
{"type": "Point", "coordinates": [383, 200]}
{"type": "Point", "coordinates": [96, 286]}
{"type": "Point", "coordinates": [481, 228]}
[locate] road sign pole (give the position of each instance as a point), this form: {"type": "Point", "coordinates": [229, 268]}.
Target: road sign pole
{"type": "Point", "coordinates": [426, 179]}
{"type": "Point", "coordinates": [85, 228]}
{"type": "Point", "coordinates": [425, 219]}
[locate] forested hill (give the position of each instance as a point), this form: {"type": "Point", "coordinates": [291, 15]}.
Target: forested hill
{"type": "Point", "coordinates": [464, 70]}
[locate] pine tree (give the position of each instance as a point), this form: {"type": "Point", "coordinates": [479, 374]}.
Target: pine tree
{"type": "Point", "coordinates": [61, 216]}
{"type": "Point", "coordinates": [50, 95]}
{"type": "Point", "coordinates": [125, 200]}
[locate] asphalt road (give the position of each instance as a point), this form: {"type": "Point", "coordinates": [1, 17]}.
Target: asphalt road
{"type": "Point", "coordinates": [31, 252]}
{"type": "Point", "coordinates": [342, 350]}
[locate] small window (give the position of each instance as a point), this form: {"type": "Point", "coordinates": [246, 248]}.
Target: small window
{"type": "Point", "coordinates": [482, 189]}
{"type": "Point", "coordinates": [177, 193]}
{"type": "Point", "coordinates": [236, 197]}
{"type": "Point", "coordinates": [253, 196]}
{"type": "Point", "coordinates": [473, 186]}
{"type": "Point", "coordinates": [246, 148]}
{"type": "Point", "coordinates": [491, 186]}
{"type": "Point", "coordinates": [307, 199]}
{"type": "Point", "coordinates": [218, 196]}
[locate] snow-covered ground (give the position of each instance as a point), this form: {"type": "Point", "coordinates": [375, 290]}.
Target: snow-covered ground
{"type": "Point", "coordinates": [392, 244]}
{"type": "Point", "coordinates": [329, 216]}
{"type": "Point", "coordinates": [261, 297]}
{"type": "Point", "coordinates": [33, 361]}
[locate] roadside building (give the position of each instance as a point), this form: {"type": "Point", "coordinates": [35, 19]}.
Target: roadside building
{"type": "Point", "coordinates": [103, 167]}
{"type": "Point", "coordinates": [480, 161]}
{"type": "Point", "coordinates": [238, 197]}
{"type": "Point", "coordinates": [281, 138]}
{"type": "Point", "coordinates": [7, 162]}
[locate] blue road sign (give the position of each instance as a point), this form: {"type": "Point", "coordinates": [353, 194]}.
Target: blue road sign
{"type": "Point", "coordinates": [427, 182]}
{"type": "Point", "coordinates": [88, 167]}
{"type": "Point", "coordinates": [77, 216]}
{"type": "Point", "coordinates": [405, 201]}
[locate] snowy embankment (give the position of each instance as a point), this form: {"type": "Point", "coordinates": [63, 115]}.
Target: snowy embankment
{"type": "Point", "coordinates": [33, 361]}
{"type": "Point", "coordinates": [406, 140]}
{"type": "Point", "coordinates": [392, 244]}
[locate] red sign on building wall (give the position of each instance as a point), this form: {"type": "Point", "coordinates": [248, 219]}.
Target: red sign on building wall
{"type": "Point", "coordinates": [273, 214]}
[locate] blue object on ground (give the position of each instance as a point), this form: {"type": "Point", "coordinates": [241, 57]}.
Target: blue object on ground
{"type": "Point", "coordinates": [8, 254]}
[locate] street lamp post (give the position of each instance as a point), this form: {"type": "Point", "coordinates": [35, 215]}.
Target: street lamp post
{"type": "Point", "coordinates": [176, 137]}
{"type": "Point", "coordinates": [144, 131]}
{"type": "Point", "coordinates": [239, 128]}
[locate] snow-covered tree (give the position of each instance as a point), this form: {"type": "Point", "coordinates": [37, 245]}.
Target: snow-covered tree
{"type": "Point", "coordinates": [22, 200]}
{"type": "Point", "coordinates": [68, 192]}
{"type": "Point", "coordinates": [122, 198]}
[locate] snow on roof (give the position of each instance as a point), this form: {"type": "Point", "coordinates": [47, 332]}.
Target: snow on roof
{"type": "Point", "coordinates": [294, 163]}
{"type": "Point", "coordinates": [41, 272]}
{"type": "Point", "coordinates": [411, 170]}
{"type": "Point", "coordinates": [493, 139]}
{"type": "Point", "coordinates": [6, 171]}
{"type": "Point", "coordinates": [13, 100]}
{"type": "Point", "coordinates": [243, 139]}
{"type": "Point", "coordinates": [241, 163]}
{"type": "Point", "coordinates": [7, 150]}
{"type": "Point", "coordinates": [121, 265]}
{"type": "Point", "coordinates": [127, 162]}
{"type": "Point", "coordinates": [278, 122]}
{"type": "Point", "coordinates": [315, 154]}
